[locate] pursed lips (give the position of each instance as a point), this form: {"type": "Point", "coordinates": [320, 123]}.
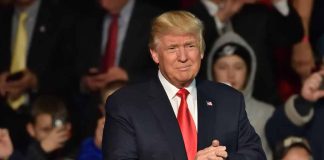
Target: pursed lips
{"type": "Point", "coordinates": [184, 68]}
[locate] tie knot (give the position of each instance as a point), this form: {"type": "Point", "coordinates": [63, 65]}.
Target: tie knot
{"type": "Point", "coordinates": [114, 16]}
{"type": "Point", "coordinates": [183, 93]}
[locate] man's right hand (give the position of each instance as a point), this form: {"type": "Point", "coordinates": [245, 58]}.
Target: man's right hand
{"type": "Point", "coordinates": [311, 90]}
{"type": "Point", "coordinates": [214, 152]}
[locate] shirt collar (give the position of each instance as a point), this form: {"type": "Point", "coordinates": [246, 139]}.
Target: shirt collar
{"type": "Point", "coordinates": [126, 12]}
{"type": "Point", "coordinates": [31, 10]}
{"type": "Point", "coordinates": [171, 90]}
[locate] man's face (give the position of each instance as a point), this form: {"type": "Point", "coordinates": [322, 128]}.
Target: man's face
{"type": "Point", "coordinates": [231, 70]}
{"type": "Point", "coordinates": [179, 58]}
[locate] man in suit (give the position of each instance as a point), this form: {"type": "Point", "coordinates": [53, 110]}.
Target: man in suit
{"type": "Point", "coordinates": [263, 27]}
{"type": "Point", "coordinates": [131, 60]}
{"type": "Point", "coordinates": [155, 120]}
{"type": "Point", "coordinates": [31, 32]}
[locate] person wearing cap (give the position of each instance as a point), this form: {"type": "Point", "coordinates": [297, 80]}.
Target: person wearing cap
{"type": "Point", "coordinates": [232, 61]}
{"type": "Point", "coordinates": [293, 148]}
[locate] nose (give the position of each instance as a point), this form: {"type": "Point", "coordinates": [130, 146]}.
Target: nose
{"type": "Point", "coordinates": [230, 73]}
{"type": "Point", "coordinates": [182, 54]}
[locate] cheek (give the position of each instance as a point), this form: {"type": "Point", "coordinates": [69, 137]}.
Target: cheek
{"type": "Point", "coordinates": [219, 75]}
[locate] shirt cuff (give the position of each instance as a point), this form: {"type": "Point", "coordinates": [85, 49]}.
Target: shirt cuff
{"type": "Point", "coordinates": [282, 7]}
{"type": "Point", "coordinates": [293, 115]}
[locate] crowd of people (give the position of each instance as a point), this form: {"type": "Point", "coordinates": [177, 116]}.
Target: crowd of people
{"type": "Point", "coordinates": [59, 63]}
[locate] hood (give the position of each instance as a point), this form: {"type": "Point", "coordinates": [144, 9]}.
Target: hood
{"type": "Point", "coordinates": [232, 37]}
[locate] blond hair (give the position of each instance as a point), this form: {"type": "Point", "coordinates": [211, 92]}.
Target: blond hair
{"type": "Point", "coordinates": [176, 22]}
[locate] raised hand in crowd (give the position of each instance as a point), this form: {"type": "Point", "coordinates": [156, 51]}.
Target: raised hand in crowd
{"type": "Point", "coordinates": [56, 139]}
{"type": "Point", "coordinates": [96, 80]}
{"type": "Point", "coordinates": [228, 8]}
{"type": "Point", "coordinates": [312, 89]}
{"type": "Point", "coordinates": [6, 147]}
{"type": "Point", "coordinates": [17, 87]}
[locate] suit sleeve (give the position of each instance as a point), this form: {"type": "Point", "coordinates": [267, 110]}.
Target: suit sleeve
{"type": "Point", "coordinates": [119, 136]}
{"type": "Point", "coordinates": [279, 127]}
{"type": "Point", "coordinates": [249, 144]}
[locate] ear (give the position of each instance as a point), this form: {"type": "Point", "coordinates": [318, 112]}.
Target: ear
{"type": "Point", "coordinates": [202, 55]}
{"type": "Point", "coordinates": [155, 56]}
{"type": "Point", "coordinates": [30, 129]}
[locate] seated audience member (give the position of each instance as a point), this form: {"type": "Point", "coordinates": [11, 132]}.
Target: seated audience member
{"type": "Point", "coordinates": [302, 115]}
{"type": "Point", "coordinates": [91, 147]}
{"type": "Point", "coordinates": [50, 129]}
{"type": "Point", "coordinates": [293, 148]}
{"type": "Point", "coordinates": [31, 62]}
{"type": "Point", "coordinates": [232, 61]}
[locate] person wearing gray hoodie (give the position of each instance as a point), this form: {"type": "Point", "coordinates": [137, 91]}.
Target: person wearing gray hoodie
{"type": "Point", "coordinates": [232, 61]}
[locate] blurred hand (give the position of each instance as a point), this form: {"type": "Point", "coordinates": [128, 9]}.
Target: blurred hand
{"type": "Point", "coordinates": [56, 138]}
{"type": "Point", "coordinates": [94, 81]}
{"type": "Point", "coordinates": [302, 60]}
{"type": "Point", "coordinates": [311, 88]}
{"type": "Point", "coordinates": [16, 88]}
{"type": "Point", "coordinates": [98, 81]}
{"type": "Point", "coordinates": [213, 152]}
{"type": "Point", "coordinates": [99, 132]}
{"type": "Point", "coordinates": [6, 148]}
{"type": "Point", "coordinates": [228, 8]}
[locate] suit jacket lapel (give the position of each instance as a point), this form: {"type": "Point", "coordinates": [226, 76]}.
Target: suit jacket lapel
{"type": "Point", "coordinates": [163, 111]}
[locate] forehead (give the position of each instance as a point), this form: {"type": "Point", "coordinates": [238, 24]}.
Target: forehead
{"type": "Point", "coordinates": [43, 119]}
{"type": "Point", "coordinates": [230, 58]}
{"type": "Point", "coordinates": [178, 38]}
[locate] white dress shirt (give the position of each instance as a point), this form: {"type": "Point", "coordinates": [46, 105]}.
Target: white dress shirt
{"type": "Point", "coordinates": [171, 92]}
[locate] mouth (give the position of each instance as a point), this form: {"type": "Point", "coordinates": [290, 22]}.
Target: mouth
{"type": "Point", "coordinates": [183, 68]}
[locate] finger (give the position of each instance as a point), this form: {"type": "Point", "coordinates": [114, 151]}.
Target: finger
{"type": "Point", "coordinates": [221, 152]}
{"type": "Point", "coordinates": [215, 143]}
{"type": "Point", "coordinates": [319, 94]}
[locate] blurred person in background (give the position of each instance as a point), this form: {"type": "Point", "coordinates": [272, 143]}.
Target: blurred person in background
{"type": "Point", "coordinates": [264, 28]}
{"type": "Point", "coordinates": [232, 61]}
{"type": "Point", "coordinates": [31, 61]}
{"type": "Point", "coordinates": [302, 115]}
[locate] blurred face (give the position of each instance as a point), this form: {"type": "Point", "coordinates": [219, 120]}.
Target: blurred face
{"type": "Point", "coordinates": [178, 57]}
{"type": "Point", "coordinates": [113, 6]}
{"type": "Point", "coordinates": [230, 70]}
{"type": "Point", "coordinates": [297, 153]}
{"type": "Point", "coordinates": [42, 126]}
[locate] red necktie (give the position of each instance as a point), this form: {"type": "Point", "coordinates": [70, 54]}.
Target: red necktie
{"type": "Point", "coordinates": [110, 53]}
{"type": "Point", "coordinates": [187, 125]}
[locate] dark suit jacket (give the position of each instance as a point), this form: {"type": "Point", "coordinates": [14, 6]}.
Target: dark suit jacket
{"type": "Point", "coordinates": [44, 59]}
{"type": "Point", "coordinates": [141, 124]}
{"type": "Point", "coordinates": [135, 57]}
{"type": "Point", "coordinates": [264, 29]}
